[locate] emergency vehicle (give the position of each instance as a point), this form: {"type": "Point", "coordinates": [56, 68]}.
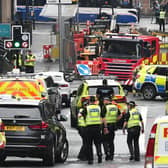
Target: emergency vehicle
{"type": "Point", "coordinates": [157, 148]}
{"type": "Point", "coordinates": [122, 53]}
{"type": "Point", "coordinates": [88, 88]}
{"type": "Point", "coordinates": [152, 81]}
{"type": "Point", "coordinates": [2, 135]}
{"type": "Point", "coordinates": [20, 87]}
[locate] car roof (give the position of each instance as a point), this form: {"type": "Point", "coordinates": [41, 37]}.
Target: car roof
{"type": "Point", "coordinates": [98, 82]}
{"type": "Point", "coordinates": [161, 119]}
{"type": "Point", "coordinates": [51, 73]}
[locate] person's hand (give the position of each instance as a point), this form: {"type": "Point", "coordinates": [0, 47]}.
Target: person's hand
{"type": "Point", "coordinates": [123, 131]}
{"type": "Point", "coordinates": [106, 131]}
{"type": "Point", "coordinates": [142, 131]}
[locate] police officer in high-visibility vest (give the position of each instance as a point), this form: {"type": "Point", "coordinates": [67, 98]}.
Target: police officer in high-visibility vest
{"type": "Point", "coordinates": [30, 62]}
{"type": "Point", "coordinates": [134, 124]}
{"type": "Point", "coordinates": [110, 114]}
{"type": "Point", "coordinates": [162, 20]}
{"type": "Point", "coordinates": [93, 130]}
{"type": "Point", "coordinates": [82, 131]}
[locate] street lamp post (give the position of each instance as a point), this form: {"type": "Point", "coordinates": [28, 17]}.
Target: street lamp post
{"type": "Point", "coordinates": [33, 15]}
{"type": "Point", "coordinates": [61, 31]}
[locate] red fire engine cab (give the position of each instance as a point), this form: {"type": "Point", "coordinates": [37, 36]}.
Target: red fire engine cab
{"type": "Point", "coordinates": [122, 53]}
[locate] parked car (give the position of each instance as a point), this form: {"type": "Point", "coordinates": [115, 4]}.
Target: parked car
{"type": "Point", "coordinates": [87, 88]}
{"type": "Point", "coordinates": [46, 83]}
{"type": "Point", "coordinates": [33, 130]}
{"type": "Point", "coordinates": [157, 148]}
{"type": "Point", "coordinates": [2, 136]}
{"type": "Point", "coordinates": [65, 89]}
{"type": "Point", "coordinates": [152, 82]}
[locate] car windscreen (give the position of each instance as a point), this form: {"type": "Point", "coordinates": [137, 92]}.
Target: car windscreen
{"type": "Point", "coordinates": [92, 90]}
{"type": "Point", "coordinates": [121, 49]}
{"type": "Point", "coordinates": [27, 112]}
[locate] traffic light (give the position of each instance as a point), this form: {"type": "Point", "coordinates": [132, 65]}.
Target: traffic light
{"type": "Point", "coordinates": [20, 40]}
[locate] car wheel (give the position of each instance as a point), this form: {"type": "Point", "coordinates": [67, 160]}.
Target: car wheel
{"type": "Point", "coordinates": [149, 92]}
{"type": "Point", "coordinates": [49, 159]}
{"type": "Point", "coordinates": [63, 154]}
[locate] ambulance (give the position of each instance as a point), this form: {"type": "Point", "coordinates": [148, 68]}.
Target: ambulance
{"type": "Point", "coordinates": [157, 148]}
{"type": "Point", "coordinates": [20, 87]}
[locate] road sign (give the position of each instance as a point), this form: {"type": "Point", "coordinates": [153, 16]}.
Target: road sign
{"type": "Point", "coordinates": [5, 30]}
{"type": "Point", "coordinates": [83, 69]}
{"type": "Point", "coordinates": [20, 40]}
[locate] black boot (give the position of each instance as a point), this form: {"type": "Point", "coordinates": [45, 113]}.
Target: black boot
{"type": "Point", "coordinates": [99, 159]}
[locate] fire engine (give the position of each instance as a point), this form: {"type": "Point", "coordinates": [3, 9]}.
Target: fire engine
{"type": "Point", "coordinates": [121, 54]}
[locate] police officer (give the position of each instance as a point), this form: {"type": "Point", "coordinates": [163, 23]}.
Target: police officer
{"type": "Point", "coordinates": [110, 114]}
{"type": "Point", "coordinates": [104, 91]}
{"type": "Point", "coordinates": [93, 130]}
{"type": "Point", "coordinates": [162, 20]}
{"type": "Point", "coordinates": [134, 122]}
{"type": "Point", "coordinates": [82, 131]}
{"type": "Point", "coordinates": [30, 62]}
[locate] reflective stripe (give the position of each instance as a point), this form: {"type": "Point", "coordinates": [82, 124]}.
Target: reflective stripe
{"type": "Point", "coordinates": [134, 118]}
{"type": "Point", "coordinates": [26, 89]}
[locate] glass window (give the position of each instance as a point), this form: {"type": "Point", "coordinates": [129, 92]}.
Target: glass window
{"type": "Point", "coordinates": [28, 112]}
{"type": "Point", "coordinates": [118, 49]}
{"type": "Point", "coordinates": [30, 2]}
{"type": "Point", "coordinates": [161, 71]}
{"type": "Point", "coordinates": [92, 90]}
{"type": "Point", "coordinates": [153, 47]}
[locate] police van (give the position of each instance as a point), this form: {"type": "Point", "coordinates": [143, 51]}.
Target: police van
{"type": "Point", "coordinates": [157, 148]}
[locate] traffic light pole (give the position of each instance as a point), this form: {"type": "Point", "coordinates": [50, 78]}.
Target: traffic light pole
{"type": "Point", "coordinates": [61, 34]}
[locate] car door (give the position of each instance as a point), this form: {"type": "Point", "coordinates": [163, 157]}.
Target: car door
{"type": "Point", "coordinates": [161, 80]}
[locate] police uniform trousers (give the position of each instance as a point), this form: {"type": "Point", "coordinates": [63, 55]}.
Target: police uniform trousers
{"type": "Point", "coordinates": [162, 25]}
{"type": "Point", "coordinates": [133, 141]}
{"type": "Point", "coordinates": [93, 137]}
{"type": "Point", "coordinates": [108, 141]}
{"type": "Point", "coordinates": [83, 150]}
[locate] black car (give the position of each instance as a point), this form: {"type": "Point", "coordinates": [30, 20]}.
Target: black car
{"type": "Point", "coordinates": [53, 91]}
{"type": "Point", "coordinates": [33, 130]}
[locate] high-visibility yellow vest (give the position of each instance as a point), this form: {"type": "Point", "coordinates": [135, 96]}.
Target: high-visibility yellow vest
{"type": "Point", "coordinates": [162, 14]}
{"type": "Point", "coordinates": [81, 120]}
{"type": "Point", "coordinates": [30, 60]}
{"type": "Point", "coordinates": [134, 119]}
{"type": "Point", "coordinates": [111, 113]}
{"type": "Point", "coordinates": [93, 115]}
{"type": "Point", "coordinates": [20, 60]}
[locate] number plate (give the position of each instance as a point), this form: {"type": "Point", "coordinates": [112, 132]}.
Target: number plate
{"type": "Point", "coordinates": [14, 128]}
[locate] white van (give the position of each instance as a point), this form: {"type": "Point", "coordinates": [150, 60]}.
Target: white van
{"type": "Point", "coordinates": [157, 148]}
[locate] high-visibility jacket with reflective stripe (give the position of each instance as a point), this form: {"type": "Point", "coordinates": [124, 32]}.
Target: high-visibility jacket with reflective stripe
{"type": "Point", "coordinates": [111, 113]}
{"type": "Point", "coordinates": [20, 60]}
{"type": "Point", "coordinates": [162, 14]}
{"type": "Point", "coordinates": [93, 115]}
{"type": "Point", "coordinates": [29, 60]}
{"type": "Point", "coordinates": [134, 119]}
{"type": "Point", "coordinates": [81, 120]}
